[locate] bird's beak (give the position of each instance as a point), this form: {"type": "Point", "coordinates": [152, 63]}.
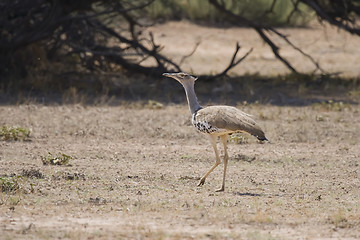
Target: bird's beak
{"type": "Point", "coordinates": [168, 74]}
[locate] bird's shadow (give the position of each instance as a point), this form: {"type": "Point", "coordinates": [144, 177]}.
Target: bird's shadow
{"type": "Point", "coordinates": [248, 194]}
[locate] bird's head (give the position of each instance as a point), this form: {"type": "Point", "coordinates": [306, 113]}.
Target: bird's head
{"type": "Point", "coordinates": [181, 77]}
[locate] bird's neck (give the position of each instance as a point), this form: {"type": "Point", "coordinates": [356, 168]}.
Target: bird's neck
{"type": "Point", "coordinates": [191, 97]}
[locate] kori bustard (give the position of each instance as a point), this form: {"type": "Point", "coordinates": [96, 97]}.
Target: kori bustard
{"type": "Point", "coordinates": [216, 121]}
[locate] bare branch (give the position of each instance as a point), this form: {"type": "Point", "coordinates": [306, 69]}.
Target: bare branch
{"type": "Point", "coordinates": [258, 28]}
{"type": "Point", "coordinates": [113, 56]}
{"type": "Point", "coordinates": [275, 49]}
{"type": "Point", "coordinates": [161, 60]}
{"type": "Point", "coordinates": [190, 54]}
{"type": "Point", "coordinates": [294, 10]}
{"type": "Point", "coordinates": [332, 20]}
{"type": "Point", "coordinates": [233, 62]}
{"type": "Point", "coordinates": [271, 9]}
{"type": "Point", "coordinates": [300, 51]}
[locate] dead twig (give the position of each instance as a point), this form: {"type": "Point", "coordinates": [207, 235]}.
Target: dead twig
{"type": "Point", "coordinates": [271, 9]}
{"type": "Point", "coordinates": [318, 67]}
{"type": "Point", "coordinates": [234, 62]}
{"type": "Point", "coordinates": [190, 54]}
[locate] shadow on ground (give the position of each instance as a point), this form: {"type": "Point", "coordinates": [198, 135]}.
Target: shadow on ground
{"type": "Point", "coordinates": [291, 90]}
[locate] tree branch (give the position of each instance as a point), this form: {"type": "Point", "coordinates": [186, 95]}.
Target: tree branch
{"type": "Point", "coordinates": [332, 20]}
{"type": "Point", "coordinates": [300, 51]}
{"type": "Point", "coordinates": [233, 62]}
{"type": "Point", "coordinates": [161, 60]}
{"type": "Point", "coordinates": [258, 28]}
{"type": "Point", "coordinates": [275, 49]}
{"type": "Point", "coordinates": [190, 54]}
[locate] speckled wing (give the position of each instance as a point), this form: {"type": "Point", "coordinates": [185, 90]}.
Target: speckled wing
{"type": "Point", "coordinates": [227, 118]}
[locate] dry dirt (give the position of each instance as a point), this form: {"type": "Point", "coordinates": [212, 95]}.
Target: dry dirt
{"type": "Point", "coordinates": [135, 171]}
{"type": "Point", "coordinates": [135, 168]}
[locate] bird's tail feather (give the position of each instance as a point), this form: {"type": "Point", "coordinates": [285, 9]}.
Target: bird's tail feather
{"type": "Point", "coordinates": [262, 138]}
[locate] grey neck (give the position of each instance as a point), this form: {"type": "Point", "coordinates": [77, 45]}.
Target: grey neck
{"type": "Point", "coordinates": [191, 97]}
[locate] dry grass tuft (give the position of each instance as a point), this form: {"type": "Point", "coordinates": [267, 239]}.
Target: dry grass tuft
{"type": "Point", "coordinates": [60, 159]}
{"type": "Point", "coordinates": [14, 133]}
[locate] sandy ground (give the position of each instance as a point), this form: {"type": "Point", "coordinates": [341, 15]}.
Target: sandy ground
{"type": "Point", "coordinates": [135, 171]}
{"type": "Point", "coordinates": [335, 50]}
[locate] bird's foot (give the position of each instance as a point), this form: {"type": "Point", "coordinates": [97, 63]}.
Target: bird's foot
{"type": "Point", "coordinates": [202, 181]}
{"type": "Point", "coordinates": [221, 189]}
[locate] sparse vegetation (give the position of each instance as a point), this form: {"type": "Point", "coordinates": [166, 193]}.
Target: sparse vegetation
{"type": "Point", "coordinates": [152, 104]}
{"type": "Point", "coordinates": [60, 159]}
{"type": "Point", "coordinates": [238, 138]}
{"type": "Point", "coordinates": [14, 133]}
{"type": "Point", "coordinates": [332, 106]}
{"type": "Point", "coordinates": [10, 184]}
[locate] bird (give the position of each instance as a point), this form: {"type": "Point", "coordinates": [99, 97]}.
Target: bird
{"type": "Point", "coordinates": [216, 121]}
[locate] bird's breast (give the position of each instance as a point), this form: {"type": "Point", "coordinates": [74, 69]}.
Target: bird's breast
{"type": "Point", "coordinates": [203, 126]}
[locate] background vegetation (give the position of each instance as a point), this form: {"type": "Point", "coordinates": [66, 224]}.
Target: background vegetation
{"type": "Point", "coordinates": [66, 47]}
{"type": "Point", "coordinates": [203, 11]}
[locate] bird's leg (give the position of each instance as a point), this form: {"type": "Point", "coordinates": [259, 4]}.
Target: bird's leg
{"type": "Point", "coordinates": [223, 139]}
{"type": "Point", "coordinates": [213, 142]}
